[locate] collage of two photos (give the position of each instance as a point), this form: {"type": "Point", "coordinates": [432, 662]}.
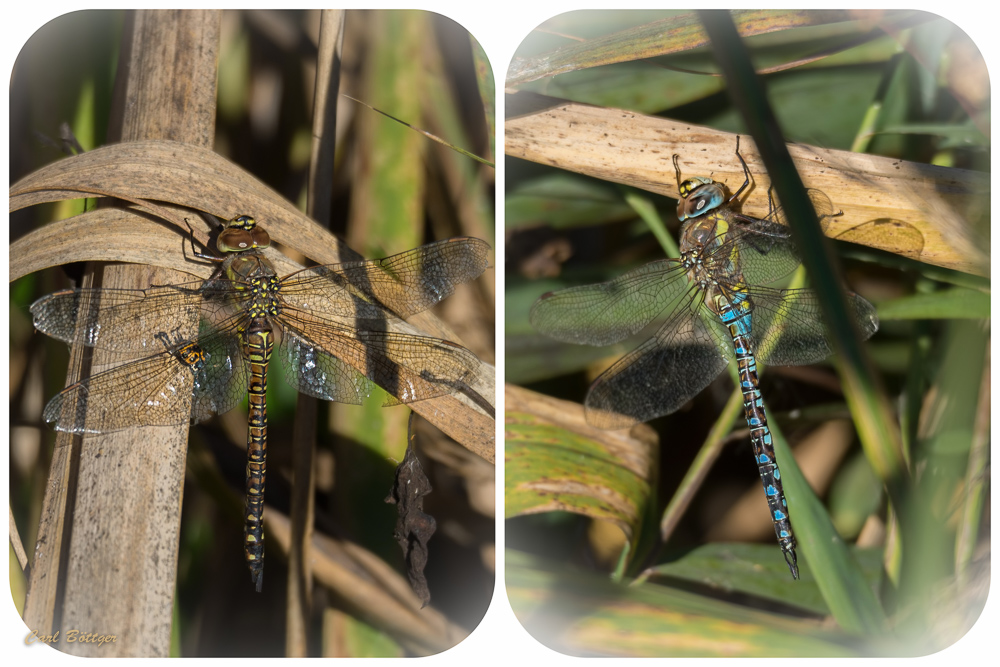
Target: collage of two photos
{"type": "Point", "coordinates": [708, 376]}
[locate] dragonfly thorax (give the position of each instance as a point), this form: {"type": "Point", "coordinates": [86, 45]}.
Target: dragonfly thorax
{"type": "Point", "coordinates": [256, 280]}
{"type": "Point", "coordinates": [698, 270]}
{"type": "Point", "coordinates": [700, 241]}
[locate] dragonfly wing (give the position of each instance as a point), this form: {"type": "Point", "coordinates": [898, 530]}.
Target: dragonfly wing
{"type": "Point", "coordinates": [326, 292]}
{"type": "Point", "coordinates": [221, 384]}
{"type": "Point", "coordinates": [404, 284]}
{"type": "Point", "coordinates": [123, 320]}
{"type": "Point", "coordinates": [659, 376]}
{"type": "Point", "coordinates": [155, 391]}
{"type": "Point", "coordinates": [788, 326]}
{"type": "Point", "coordinates": [606, 313]}
{"type": "Point", "coordinates": [411, 368]}
{"type": "Point", "coordinates": [766, 248]}
{"type": "Point", "coordinates": [316, 373]}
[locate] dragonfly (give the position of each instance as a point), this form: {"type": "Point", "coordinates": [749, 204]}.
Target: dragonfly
{"type": "Point", "coordinates": [705, 308]}
{"type": "Point", "coordinates": [327, 325]}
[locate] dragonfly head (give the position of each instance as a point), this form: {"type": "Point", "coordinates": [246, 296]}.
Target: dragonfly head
{"type": "Point", "coordinates": [242, 234]}
{"type": "Point", "coordinates": [698, 196]}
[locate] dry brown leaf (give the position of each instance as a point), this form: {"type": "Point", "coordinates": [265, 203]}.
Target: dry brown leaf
{"type": "Point", "coordinates": [627, 147]}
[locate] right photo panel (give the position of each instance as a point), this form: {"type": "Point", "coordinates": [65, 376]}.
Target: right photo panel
{"type": "Point", "coordinates": [747, 333]}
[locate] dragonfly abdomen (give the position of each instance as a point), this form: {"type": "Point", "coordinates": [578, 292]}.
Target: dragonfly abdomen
{"type": "Point", "coordinates": [736, 315]}
{"type": "Point", "coordinates": [259, 344]}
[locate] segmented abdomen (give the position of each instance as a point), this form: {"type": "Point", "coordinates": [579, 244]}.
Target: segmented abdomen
{"type": "Point", "coordinates": [259, 344]}
{"type": "Point", "coordinates": [736, 314]}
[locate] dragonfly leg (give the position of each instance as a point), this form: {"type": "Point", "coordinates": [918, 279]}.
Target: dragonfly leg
{"type": "Point", "coordinates": [746, 173]}
{"type": "Point", "coordinates": [168, 344]}
{"type": "Point", "coordinates": [677, 171]}
{"type": "Point", "coordinates": [165, 340]}
{"type": "Point", "coordinates": [194, 251]}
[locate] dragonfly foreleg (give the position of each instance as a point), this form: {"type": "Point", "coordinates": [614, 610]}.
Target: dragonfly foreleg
{"type": "Point", "coordinates": [746, 174]}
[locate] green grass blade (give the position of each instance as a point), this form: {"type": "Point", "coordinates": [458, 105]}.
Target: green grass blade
{"type": "Point", "coordinates": [847, 592]}
{"type": "Point", "coordinates": [487, 87]}
{"type": "Point", "coordinates": [755, 570]}
{"type": "Point", "coordinates": [955, 303]}
{"type": "Point", "coordinates": [696, 474]}
{"type": "Point", "coordinates": [548, 467]}
{"type": "Point", "coordinates": [647, 211]}
{"type": "Point", "coordinates": [657, 38]}
{"type": "Point", "coordinates": [866, 398]}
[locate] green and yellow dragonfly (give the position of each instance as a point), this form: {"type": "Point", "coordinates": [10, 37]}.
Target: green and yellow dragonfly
{"type": "Point", "coordinates": [326, 324]}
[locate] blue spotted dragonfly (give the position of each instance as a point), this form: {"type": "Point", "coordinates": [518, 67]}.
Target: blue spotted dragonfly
{"type": "Point", "coordinates": [327, 324]}
{"type": "Point", "coordinates": [708, 306]}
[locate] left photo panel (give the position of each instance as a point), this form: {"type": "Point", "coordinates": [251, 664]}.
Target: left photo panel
{"type": "Point", "coordinates": [252, 333]}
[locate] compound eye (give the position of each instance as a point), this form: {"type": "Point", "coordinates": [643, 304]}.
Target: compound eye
{"type": "Point", "coordinates": [235, 239]}
{"type": "Point", "coordinates": [260, 238]}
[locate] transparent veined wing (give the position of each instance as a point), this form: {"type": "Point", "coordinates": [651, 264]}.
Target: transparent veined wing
{"type": "Point", "coordinates": [184, 382]}
{"type": "Point", "coordinates": [660, 375]}
{"type": "Point", "coordinates": [606, 313]}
